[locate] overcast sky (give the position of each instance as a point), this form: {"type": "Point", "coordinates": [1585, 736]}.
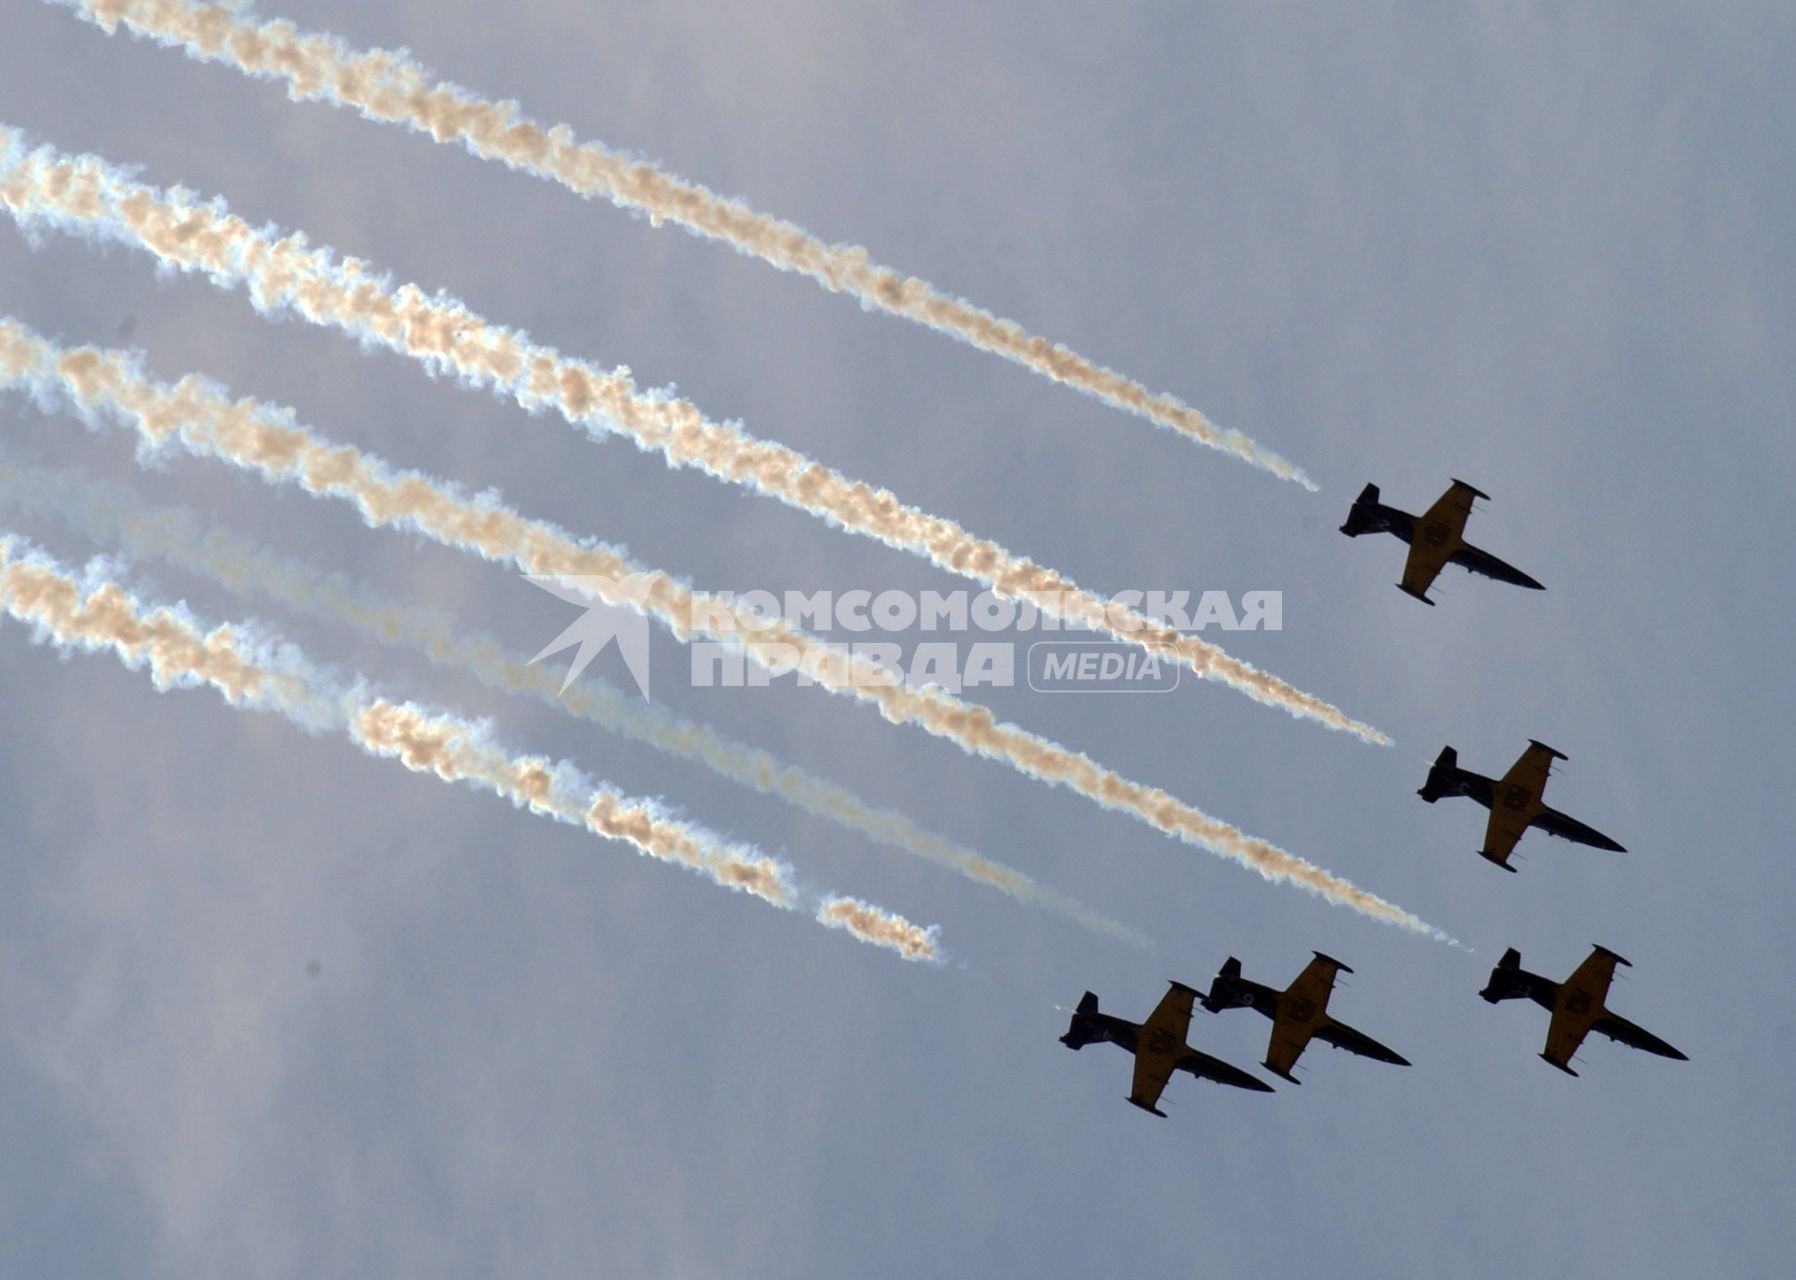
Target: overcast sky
{"type": "Point", "coordinates": [270, 1007]}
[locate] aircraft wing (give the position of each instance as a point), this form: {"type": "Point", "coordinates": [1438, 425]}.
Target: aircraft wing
{"type": "Point", "coordinates": [1308, 993]}
{"type": "Point", "coordinates": [1152, 1071]}
{"type": "Point", "coordinates": [1564, 1034]}
{"type": "Point", "coordinates": [1579, 1004]}
{"type": "Point", "coordinates": [1289, 1039]}
{"type": "Point", "coordinates": [1439, 537]}
{"type": "Point", "coordinates": [1160, 1044]}
{"type": "Point", "coordinates": [1203, 1066]}
{"type": "Point", "coordinates": [1617, 1028]}
{"type": "Point", "coordinates": [1470, 557]}
{"type": "Point", "coordinates": [1345, 1037]}
{"type": "Point", "coordinates": [1423, 566]}
{"type": "Point", "coordinates": [1531, 769]}
{"type": "Point", "coordinates": [1300, 1012]}
{"type": "Point", "coordinates": [1167, 1025]}
{"type": "Point", "coordinates": [1555, 823]}
{"type": "Point", "coordinates": [1501, 833]}
{"type": "Point", "coordinates": [1593, 977]}
{"type": "Point", "coordinates": [1453, 508]}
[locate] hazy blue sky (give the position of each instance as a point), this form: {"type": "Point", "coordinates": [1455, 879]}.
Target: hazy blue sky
{"type": "Point", "coordinates": [1547, 251]}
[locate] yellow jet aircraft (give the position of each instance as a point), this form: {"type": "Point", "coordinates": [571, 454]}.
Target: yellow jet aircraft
{"type": "Point", "coordinates": [1436, 538]}
{"type": "Point", "coordinates": [1299, 1014]}
{"type": "Point", "coordinates": [1576, 1005]}
{"type": "Point", "coordinates": [1514, 801]}
{"type": "Point", "coordinates": [1158, 1045]}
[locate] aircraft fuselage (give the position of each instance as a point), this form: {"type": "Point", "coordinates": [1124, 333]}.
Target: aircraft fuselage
{"type": "Point", "coordinates": [1101, 1028]}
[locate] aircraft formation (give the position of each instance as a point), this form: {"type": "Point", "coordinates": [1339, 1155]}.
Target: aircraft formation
{"type": "Point", "coordinates": [1299, 1012]}
{"type": "Point", "coordinates": [290, 274]}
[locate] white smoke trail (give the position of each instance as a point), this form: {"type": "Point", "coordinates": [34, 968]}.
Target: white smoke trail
{"type": "Point", "coordinates": [388, 86]}
{"type": "Point", "coordinates": [100, 614]}
{"type": "Point", "coordinates": [112, 513]}
{"type": "Point", "coordinates": [84, 194]}
{"type": "Point", "coordinates": [267, 441]}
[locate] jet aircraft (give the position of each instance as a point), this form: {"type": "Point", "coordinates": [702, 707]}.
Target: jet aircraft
{"type": "Point", "coordinates": [1299, 1013]}
{"type": "Point", "coordinates": [1514, 801]}
{"type": "Point", "coordinates": [1158, 1045]}
{"type": "Point", "coordinates": [1436, 538]}
{"type": "Point", "coordinates": [1576, 1005]}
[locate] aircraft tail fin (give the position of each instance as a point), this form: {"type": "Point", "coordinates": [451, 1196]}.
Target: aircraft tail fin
{"type": "Point", "coordinates": [1440, 775]}
{"type": "Point", "coordinates": [1507, 981]}
{"type": "Point", "coordinates": [1362, 517]}
{"type": "Point", "coordinates": [1081, 1030]}
{"type": "Point", "coordinates": [1225, 993]}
